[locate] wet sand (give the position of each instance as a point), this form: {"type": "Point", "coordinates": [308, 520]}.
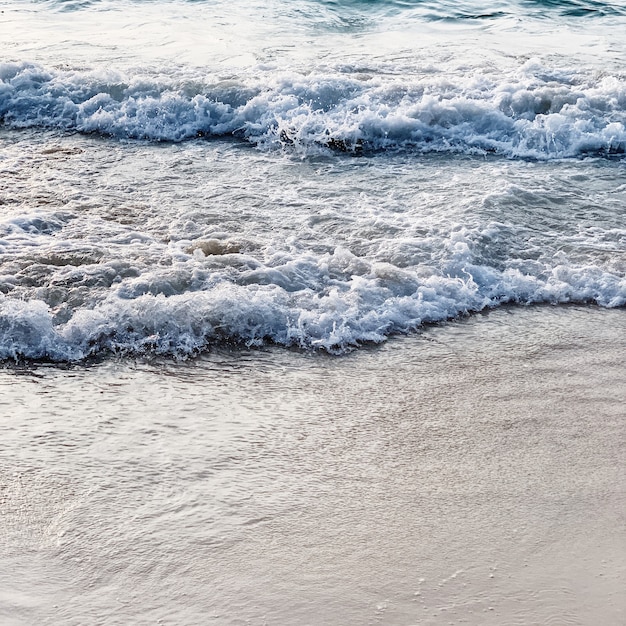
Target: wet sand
{"type": "Point", "coordinates": [472, 474]}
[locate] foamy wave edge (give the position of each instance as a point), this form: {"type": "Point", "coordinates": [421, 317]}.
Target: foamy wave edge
{"type": "Point", "coordinates": [338, 321]}
{"type": "Point", "coordinates": [531, 113]}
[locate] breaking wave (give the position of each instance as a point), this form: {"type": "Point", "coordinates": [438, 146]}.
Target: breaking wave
{"type": "Point", "coordinates": [534, 112]}
{"type": "Point", "coordinates": [334, 302]}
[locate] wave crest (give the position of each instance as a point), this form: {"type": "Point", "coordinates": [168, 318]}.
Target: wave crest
{"type": "Point", "coordinates": [532, 113]}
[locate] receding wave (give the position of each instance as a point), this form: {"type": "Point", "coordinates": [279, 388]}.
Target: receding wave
{"type": "Point", "coordinates": [534, 112]}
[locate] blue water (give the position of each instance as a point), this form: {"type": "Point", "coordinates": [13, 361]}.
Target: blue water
{"type": "Point", "coordinates": [181, 175]}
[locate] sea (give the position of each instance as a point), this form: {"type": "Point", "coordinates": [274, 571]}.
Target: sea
{"type": "Point", "coordinates": [239, 240]}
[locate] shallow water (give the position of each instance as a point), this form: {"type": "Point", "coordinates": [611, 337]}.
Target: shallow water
{"type": "Point", "coordinates": [181, 175]}
{"type": "Point", "coordinates": [135, 247]}
{"type": "Point", "coordinates": [472, 474]}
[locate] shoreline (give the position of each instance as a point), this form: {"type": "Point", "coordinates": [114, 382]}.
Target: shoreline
{"type": "Point", "coordinates": [472, 473]}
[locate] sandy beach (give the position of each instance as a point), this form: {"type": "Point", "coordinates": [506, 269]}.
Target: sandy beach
{"type": "Point", "coordinates": [471, 474]}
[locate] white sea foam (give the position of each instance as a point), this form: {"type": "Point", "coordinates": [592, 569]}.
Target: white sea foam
{"type": "Point", "coordinates": [123, 245]}
{"type": "Point", "coordinates": [533, 112]}
{"type": "Point", "coordinates": [307, 302]}
{"type": "Point", "coordinates": [243, 248]}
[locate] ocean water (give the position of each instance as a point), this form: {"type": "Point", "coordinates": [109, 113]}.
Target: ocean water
{"type": "Point", "coordinates": [312, 312]}
{"type": "Point", "coordinates": [176, 176]}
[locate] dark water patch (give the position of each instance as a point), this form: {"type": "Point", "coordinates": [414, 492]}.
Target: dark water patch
{"type": "Point", "coordinates": [575, 8]}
